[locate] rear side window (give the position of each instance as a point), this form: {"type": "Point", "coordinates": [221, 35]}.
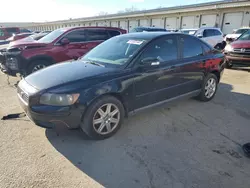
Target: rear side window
{"type": "Point", "coordinates": [113, 33]}
{"type": "Point", "coordinates": [191, 47]}
{"type": "Point", "coordinates": [1, 32]}
{"type": "Point", "coordinates": [97, 35]}
{"type": "Point", "coordinates": [216, 32]}
{"type": "Point", "coordinates": [208, 33]}
{"type": "Point", "coordinates": [12, 30]}
{"type": "Point", "coordinates": [76, 36]}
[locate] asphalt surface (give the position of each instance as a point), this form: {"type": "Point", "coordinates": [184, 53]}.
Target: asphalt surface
{"type": "Point", "coordinates": [186, 144]}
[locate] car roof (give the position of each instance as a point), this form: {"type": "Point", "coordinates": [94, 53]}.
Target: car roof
{"type": "Point", "coordinates": [149, 27]}
{"type": "Point", "coordinates": [149, 35]}
{"type": "Point", "coordinates": [91, 27]}
{"type": "Point", "coordinates": [210, 28]}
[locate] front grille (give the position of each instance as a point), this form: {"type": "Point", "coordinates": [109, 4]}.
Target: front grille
{"type": "Point", "coordinates": [242, 50]}
{"type": "Point", "coordinates": [24, 96]}
{"type": "Point", "coordinates": [235, 54]}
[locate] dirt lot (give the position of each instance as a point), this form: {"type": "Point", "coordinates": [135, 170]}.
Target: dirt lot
{"type": "Point", "coordinates": [186, 144]}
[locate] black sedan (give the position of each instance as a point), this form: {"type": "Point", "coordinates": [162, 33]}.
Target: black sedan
{"type": "Point", "coordinates": [121, 76]}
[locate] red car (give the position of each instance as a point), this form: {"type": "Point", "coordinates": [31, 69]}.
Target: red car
{"type": "Point", "coordinates": [6, 32]}
{"type": "Point", "coordinates": [59, 45]}
{"type": "Point", "coordinates": [238, 52]}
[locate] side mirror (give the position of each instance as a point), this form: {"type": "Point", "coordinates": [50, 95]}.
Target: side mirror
{"type": "Point", "coordinates": [200, 36]}
{"type": "Point", "coordinates": [65, 41]}
{"type": "Point", "coordinates": [150, 61]}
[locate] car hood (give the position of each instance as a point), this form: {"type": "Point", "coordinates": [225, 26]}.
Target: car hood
{"type": "Point", "coordinates": [65, 72]}
{"type": "Point", "coordinates": [232, 36]}
{"type": "Point", "coordinates": [241, 44]}
{"type": "Point", "coordinates": [26, 44]}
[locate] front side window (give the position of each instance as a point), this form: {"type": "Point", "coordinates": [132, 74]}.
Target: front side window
{"type": "Point", "coordinates": [245, 36]}
{"type": "Point", "coordinates": [115, 52]}
{"type": "Point", "coordinates": [113, 33]}
{"type": "Point", "coordinates": [76, 36]}
{"type": "Point", "coordinates": [192, 47]}
{"type": "Point", "coordinates": [164, 49]}
{"type": "Point", "coordinates": [97, 35]}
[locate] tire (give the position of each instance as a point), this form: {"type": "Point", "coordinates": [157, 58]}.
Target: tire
{"type": "Point", "coordinates": [99, 130]}
{"type": "Point", "coordinates": [204, 96]}
{"type": "Point", "coordinates": [37, 65]}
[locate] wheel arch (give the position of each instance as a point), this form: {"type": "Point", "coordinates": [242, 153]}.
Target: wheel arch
{"type": "Point", "coordinates": [217, 74]}
{"type": "Point", "coordinates": [47, 58]}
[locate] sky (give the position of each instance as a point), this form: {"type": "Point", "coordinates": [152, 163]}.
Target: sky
{"type": "Point", "coordinates": [51, 10]}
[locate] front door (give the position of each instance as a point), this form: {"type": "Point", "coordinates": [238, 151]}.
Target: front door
{"type": "Point", "coordinates": [156, 82]}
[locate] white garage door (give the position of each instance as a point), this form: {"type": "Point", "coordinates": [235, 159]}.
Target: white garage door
{"type": "Point", "coordinates": [208, 20]}
{"type": "Point", "coordinates": [124, 24]}
{"type": "Point", "coordinates": [157, 22]}
{"type": "Point", "coordinates": [232, 21]}
{"type": "Point", "coordinates": [171, 23]}
{"type": "Point", "coordinates": [133, 24]}
{"type": "Point", "coordinates": [187, 22]}
{"type": "Point", "coordinates": [114, 24]}
{"type": "Point", "coordinates": [144, 23]}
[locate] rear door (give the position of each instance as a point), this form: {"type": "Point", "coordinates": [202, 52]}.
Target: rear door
{"type": "Point", "coordinates": [190, 68]}
{"type": "Point", "coordinates": [95, 37]}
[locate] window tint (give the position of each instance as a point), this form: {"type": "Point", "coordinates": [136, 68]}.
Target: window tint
{"type": "Point", "coordinates": [76, 36]}
{"type": "Point", "coordinates": [208, 33]}
{"type": "Point", "coordinates": [216, 32]}
{"type": "Point", "coordinates": [12, 30]}
{"type": "Point", "coordinates": [95, 35]}
{"type": "Point", "coordinates": [206, 49]}
{"type": "Point", "coordinates": [191, 47]}
{"type": "Point", "coordinates": [1, 32]}
{"type": "Point", "coordinates": [164, 49]}
{"type": "Point", "coordinates": [113, 33]}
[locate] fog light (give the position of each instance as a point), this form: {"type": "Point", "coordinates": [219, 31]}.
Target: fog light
{"type": "Point", "coordinates": [12, 63]}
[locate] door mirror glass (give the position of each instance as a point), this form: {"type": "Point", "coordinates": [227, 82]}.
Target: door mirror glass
{"type": "Point", "coordinates": [65, 41]}
{"type": "Point", "coordinates": [150, 61]}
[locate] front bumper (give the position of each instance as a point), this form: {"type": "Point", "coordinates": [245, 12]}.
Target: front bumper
{"type": "Point", "coordinates": [51, 116]}
{"type": "Point", "coordinates": [241, 59]}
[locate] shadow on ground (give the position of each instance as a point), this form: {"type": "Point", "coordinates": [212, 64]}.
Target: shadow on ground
{"type": "Point", "coordinates": [142, 154]}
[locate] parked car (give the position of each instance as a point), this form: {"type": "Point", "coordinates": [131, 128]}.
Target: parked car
{"type": "Point", "coordinates": [98, 90]}
{"type": "Point", "coordinates": [57, 46]}
{"type": "Point", "coordinates": [188, 31]}
{"type": "Point", "coordinates": [211, 35]}
{"type": "Point", "coordinates": [236, 34]}
{"type": "Point", "coordinates": [23, 30]}
{"type": "Point", "coordinates": [238, 52]}
{"type": "Point", "coordinates": [14, 38]}
{"type": "Point", "coordinates": [147, 29]}
{"type": "Point", "coordinates": [6, 32]}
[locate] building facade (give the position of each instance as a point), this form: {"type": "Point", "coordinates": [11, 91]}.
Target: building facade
{"type": "Point", "coordinates": [227, 15]}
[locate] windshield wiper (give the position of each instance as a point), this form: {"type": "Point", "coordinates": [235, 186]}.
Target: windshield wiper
{"type": "Point", "coordinates": [94, 63]}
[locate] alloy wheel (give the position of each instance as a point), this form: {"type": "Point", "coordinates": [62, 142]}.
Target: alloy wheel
{"type": "Point", "coordinates": [106, 119]}
{"type": "Point", "coordinates": [210, 88]}
{"type": "Point", "coordinates": [38, 67]}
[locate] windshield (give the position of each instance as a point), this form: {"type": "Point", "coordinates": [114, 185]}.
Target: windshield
{"type": "Point", "coordinates": [52, 36]}
{"type": "Point", "coordinates": [115, 51]}
{"type": "Point", "coordinates": [240, 31]}
{"type": "Point", "coordinates": [245, 36]}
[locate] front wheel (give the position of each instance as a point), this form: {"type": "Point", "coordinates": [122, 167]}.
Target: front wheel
{"type": "Point", "coordinates": [103, 118]}
{"type": "Point", "coordinates": [209, 88]}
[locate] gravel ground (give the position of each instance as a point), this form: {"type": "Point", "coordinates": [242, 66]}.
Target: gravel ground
{"type": "Point", "coordinates": [186, 144]}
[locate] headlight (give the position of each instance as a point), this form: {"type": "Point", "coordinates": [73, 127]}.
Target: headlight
{"type": "Point", "coordinates": [12, 63]}
{"type": "Point", "coordinates": [58, 99]}
{"type": "Point", "coordinates": [228, 48]}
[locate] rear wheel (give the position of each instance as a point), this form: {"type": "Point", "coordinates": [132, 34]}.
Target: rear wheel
{"type": "Point", "coordinates": [209, 88]}
{"type": "Point", "coordinates": [103, 118]}
{"type": "Point", "coordinates": [37, 65]}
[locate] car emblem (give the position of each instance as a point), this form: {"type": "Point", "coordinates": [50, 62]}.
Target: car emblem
{"type": "Point", "coordinates": [242, 50]}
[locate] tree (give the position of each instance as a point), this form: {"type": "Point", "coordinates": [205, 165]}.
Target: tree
{"type": "Point", "coordinates": [102, 13]}
{"type": "Point", "coordinates": [131, 9]}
